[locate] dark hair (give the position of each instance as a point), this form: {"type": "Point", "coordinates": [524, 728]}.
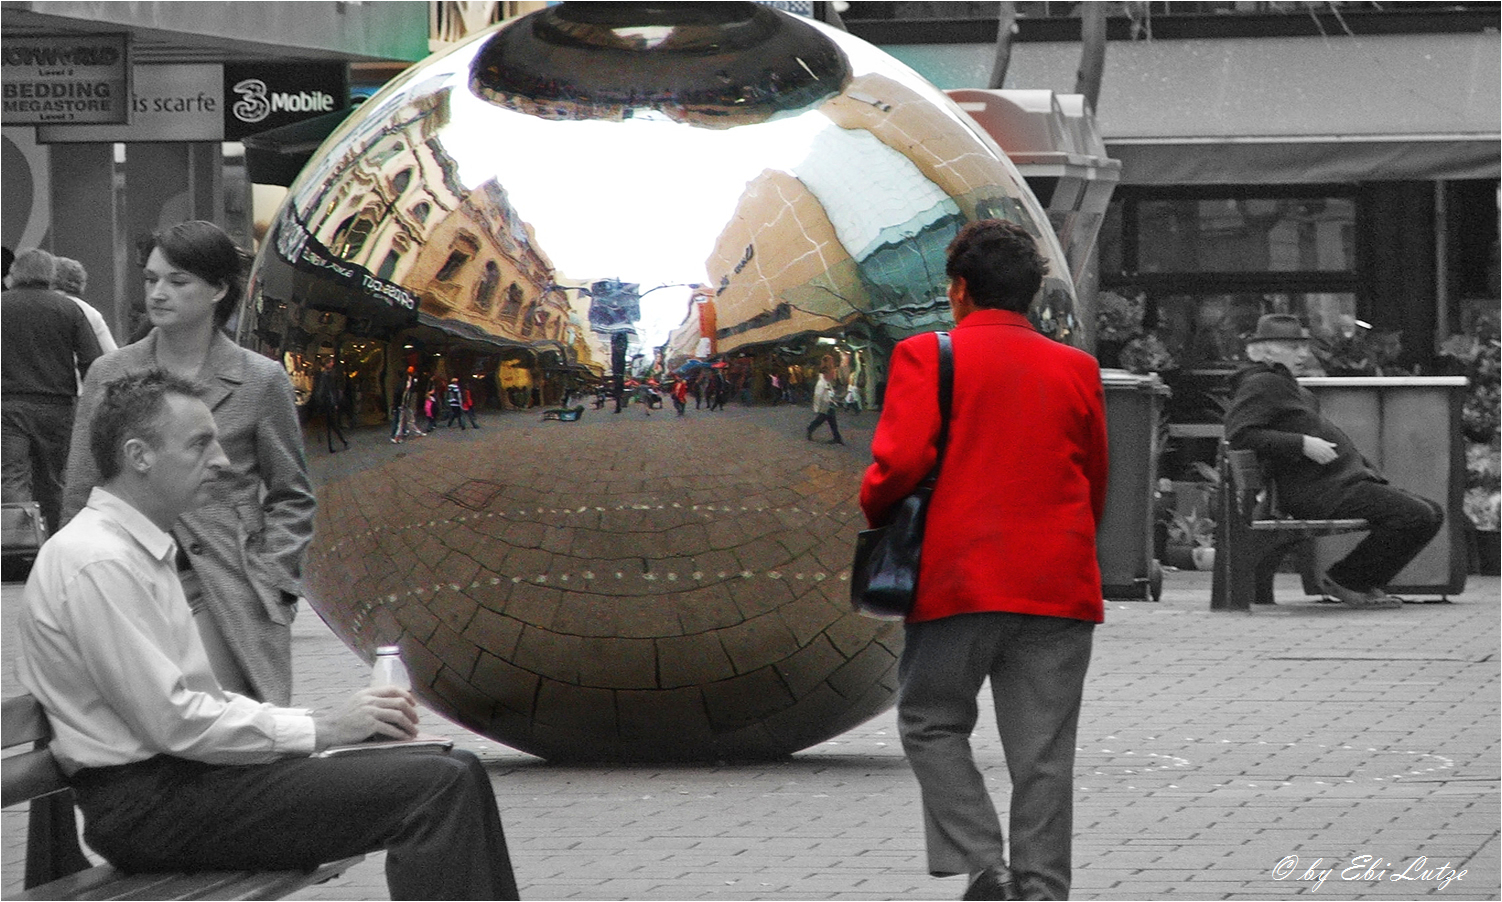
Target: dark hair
{"type": "Point", "coordinates": [999, 262]}
{"type": "Point", "coordinates": [132, 407]}
{"type": "Point", "coordinates": [203, 249]}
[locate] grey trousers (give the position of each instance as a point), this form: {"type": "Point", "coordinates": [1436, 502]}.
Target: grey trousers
{"type": "Point", "coordinates": [1037, 670]}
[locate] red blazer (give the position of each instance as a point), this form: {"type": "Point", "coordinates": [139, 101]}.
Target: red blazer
{"type": "Point", "coordinates": [1011, 525]}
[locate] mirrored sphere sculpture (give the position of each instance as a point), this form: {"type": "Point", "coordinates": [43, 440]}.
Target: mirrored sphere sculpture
{"type": "Point", "coordinates": [556, 220]}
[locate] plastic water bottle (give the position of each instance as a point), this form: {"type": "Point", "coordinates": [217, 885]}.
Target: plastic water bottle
{"type": "Point", "coordinates": [389, 669]}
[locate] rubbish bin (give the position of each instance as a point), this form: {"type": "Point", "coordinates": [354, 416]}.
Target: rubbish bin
{"type": "Point", "coordinates": [1409, 426]}
{"type": "Point", "coordinates": [1124, 539]}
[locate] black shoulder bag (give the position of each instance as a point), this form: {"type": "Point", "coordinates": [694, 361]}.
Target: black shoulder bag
{"type": "Point", "coordinates": [884, 576]}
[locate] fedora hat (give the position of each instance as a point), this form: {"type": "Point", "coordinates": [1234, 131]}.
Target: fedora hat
{"type": "Point", "coordinates": [1279, 327]}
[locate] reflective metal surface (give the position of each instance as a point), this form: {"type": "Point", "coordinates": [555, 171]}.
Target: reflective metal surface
{"type": "Point", "coordinates": [592, 200]}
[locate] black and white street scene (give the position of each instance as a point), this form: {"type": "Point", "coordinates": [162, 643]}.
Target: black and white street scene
{"type": "Point", "coordinates": [751, 450]}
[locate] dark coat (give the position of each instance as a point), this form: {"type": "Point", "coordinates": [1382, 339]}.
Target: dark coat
{"type": "Point", "coordinates": [1270, 414]}
{"type": "Point", "coordinates": [248, 543]}
{"type": "Point", "coordinates": [1011, 525]}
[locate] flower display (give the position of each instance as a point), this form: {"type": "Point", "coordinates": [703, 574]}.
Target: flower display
{"type": "Point", "coordinates": [1479, 357]}
{"type": "Point", "coordinates": [1118, 318]}
{"type": "Point", "coordinates": [1147, 354]}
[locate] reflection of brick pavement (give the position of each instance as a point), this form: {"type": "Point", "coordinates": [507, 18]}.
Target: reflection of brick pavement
{"type": "Point", "coordinates": [626, 586]}
{"type": "Point", "coordinates": [1213, 748]}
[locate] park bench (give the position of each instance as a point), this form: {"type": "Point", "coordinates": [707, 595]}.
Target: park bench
{"type": "Point", "coordinates": [1253, 535]}
{"type": "Point", "coordinates": [56, 867]}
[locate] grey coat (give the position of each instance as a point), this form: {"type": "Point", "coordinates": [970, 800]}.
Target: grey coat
{"type": "Point", "coordinates": [247, 544]}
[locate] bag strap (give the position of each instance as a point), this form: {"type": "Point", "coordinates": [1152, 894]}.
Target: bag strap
{"type": "Point", "coordinates": [946, 392]}
{"type": "Point", "coordinates": [946, 402]}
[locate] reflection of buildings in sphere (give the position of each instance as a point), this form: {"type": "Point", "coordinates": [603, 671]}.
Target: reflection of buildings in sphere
{"type": "Point", "coordinates": [446, 231]}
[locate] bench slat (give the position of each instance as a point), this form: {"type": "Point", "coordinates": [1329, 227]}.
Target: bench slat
{"type": "Point", "coordinates": [22, 720]}
{"type": "Point", "coordinates": [276, 884]}
{"type": "Point", "coordinates": [30, 775]}
{"type": "Point", "coordinates": [73, 886]}
{"type": "Point", "coordinates": [1313, 527]}
{"type": "Point", "coordinates": [106, 883]}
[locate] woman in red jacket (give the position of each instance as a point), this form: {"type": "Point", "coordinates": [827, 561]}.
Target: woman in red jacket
{"type": "Point", "coordinates": [1009, 587]}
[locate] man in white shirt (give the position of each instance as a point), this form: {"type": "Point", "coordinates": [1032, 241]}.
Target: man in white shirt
{"type": "Point", "coordinates": [171, 771]}
{"type": "Point", "coordinates": [72, 280]}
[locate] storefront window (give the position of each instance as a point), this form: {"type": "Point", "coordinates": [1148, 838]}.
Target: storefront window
{"type": "Point", "coordinates": [1200, 265]}
{"type": "Point", "coordinates": [1246, 235]}
{"type": "Point", "coordinates": [1207, 330]}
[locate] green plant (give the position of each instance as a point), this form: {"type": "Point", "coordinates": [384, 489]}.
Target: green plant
{"type": "Point", "coordinates": [1478, 356]}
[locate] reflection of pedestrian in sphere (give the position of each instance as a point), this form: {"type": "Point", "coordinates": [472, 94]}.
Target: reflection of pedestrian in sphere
{"type": "Point", "coordinates": [430, 408]}
{"type": "Point", "coordinates": [468, 404]}
{"type": "Point", "coordinates": [455, 398]}
{"type": "Point", "coordinates": [404, 415]}
{"type": "Point", "coordinates": [327, 396]}
{"type": "Point", "coordinates": [824, 408]}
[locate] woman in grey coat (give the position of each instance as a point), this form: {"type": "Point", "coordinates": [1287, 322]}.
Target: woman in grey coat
{"type": "Point", "coordinates": [240, 556]}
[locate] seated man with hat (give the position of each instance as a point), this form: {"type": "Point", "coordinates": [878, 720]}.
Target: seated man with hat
{"type": "Point", "coordinates": [1319, 472]}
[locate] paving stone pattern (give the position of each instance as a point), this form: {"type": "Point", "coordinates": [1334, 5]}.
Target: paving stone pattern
{"type": "Point", "coordinates": [1305, 750]}
{"type": "Point", "coordinates": [624, 587]}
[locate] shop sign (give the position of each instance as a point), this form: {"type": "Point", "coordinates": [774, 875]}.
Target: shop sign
{"type": "Point", "coordinates": [169, 102]}
{"type": "Point", "coordinates": [261, 96]}
{"type": "Point", "coordinates": [82, 78]}
{"type": "Point", "coordinates": [297, 246]}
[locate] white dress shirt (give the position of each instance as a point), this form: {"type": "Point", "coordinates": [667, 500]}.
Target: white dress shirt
{"type": "Point", "coordinates": [109, 648]}
{"type": "Point", "coordinates": [96, 322]}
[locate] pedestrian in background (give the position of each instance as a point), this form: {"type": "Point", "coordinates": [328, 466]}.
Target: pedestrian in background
{"type": "Point", "coordinates": [72, 279]}
{"type": "Point", "coordinates": [824, 408]}
{"type": "Point", "coordinates": [46, 348]}
{"type": "Point", "coordinates": [680, 394]}
{"type": "Point", "coordinates": [1009, 588]}
{"type": "Point", "coordinates": [240, 556]}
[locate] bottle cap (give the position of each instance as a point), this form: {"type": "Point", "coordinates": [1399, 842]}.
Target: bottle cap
{"type": "Point", "coordinates": [388, 650]}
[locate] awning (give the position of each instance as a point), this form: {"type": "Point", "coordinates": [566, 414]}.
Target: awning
{"type": "Point", "coordinates": [1342, 108]}
{"type": "Point", "coordinates": [278, 155]}
{"type": "Point", "coordinates": [1306, 162]}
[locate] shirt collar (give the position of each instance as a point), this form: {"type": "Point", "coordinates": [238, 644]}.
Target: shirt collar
{"type": "Point", "coordinates": [990, 316]}
{"type": "Point", "coordinates": [137, 525]}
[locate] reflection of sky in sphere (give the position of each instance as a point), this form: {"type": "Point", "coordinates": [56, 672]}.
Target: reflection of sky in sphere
{"type": "Point", "coordinates": [598, 194]}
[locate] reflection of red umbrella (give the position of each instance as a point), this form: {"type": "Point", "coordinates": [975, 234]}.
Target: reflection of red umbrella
{"type": "Point", "coordinates": [721, 365]}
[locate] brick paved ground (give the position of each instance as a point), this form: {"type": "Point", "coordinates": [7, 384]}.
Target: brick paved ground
{"type": "Point", "coordinates": [1235, 756]}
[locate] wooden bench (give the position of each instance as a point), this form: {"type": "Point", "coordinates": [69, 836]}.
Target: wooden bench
{"type": "Point", "coordinates": [1253, 535]}
{"type": "Point", "coordinates": [56, 867]}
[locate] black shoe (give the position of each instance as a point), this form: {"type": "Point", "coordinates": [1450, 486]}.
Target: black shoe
{"type": "Point", "coordinates": [995, 882]}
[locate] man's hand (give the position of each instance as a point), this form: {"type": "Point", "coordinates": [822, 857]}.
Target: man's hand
{"type": "Point", "coordinates": [380, 712]}
{"type": "Point", "coordinates": [1318, 450]}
